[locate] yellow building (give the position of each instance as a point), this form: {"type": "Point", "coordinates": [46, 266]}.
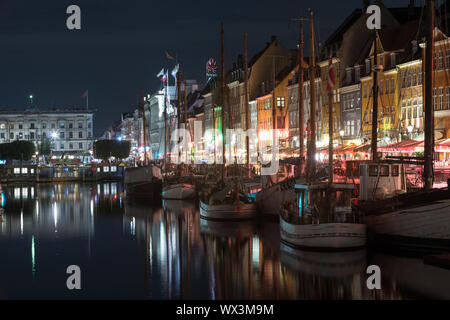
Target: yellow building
{"type": "Point", "coordinates": [441, 86]}
{"type": "Point", "coordinates": [336, 102]}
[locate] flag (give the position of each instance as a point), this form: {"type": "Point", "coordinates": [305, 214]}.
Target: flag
{"type": "Point", "coordinates": [160, 74]}
{"type": "Point", "coordinates": [165, 77]}
{"type": "Point", "coordinates": [85, 94]}
{"type": "Point", "coordinates": [331, 78]}
{"type": "Point", "coordinates": [168, 56]}
{"type": "Point", "coordinates": [175, 71]}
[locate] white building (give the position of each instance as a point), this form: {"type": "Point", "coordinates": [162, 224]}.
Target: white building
{"type": "Point", "coordinates": [69, 131]}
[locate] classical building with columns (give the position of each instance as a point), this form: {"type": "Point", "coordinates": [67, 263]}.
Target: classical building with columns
{"type": "Point", "coordinates": [69, 130]}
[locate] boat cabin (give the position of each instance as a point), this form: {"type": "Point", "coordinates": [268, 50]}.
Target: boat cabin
{"type": "Point", "coordinates": [380, 180]}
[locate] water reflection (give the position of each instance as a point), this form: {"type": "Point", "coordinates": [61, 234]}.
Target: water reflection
{"type": "Point", "coordinates": [131, 250]}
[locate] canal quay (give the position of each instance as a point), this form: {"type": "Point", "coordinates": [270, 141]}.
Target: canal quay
{"type": "Point", "coordinates": [166, 251]}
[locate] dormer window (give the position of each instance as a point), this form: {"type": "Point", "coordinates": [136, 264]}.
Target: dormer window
{"type": "Point", "coordinates": [348, 75]}
{"type": "Point", "coordinates": [393, 63]}
{"type": "Point", "coordinates": [357, 73]}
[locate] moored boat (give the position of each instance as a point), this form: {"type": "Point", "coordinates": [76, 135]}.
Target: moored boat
{"type": "Point", "coordinates": [333, 227]}
{"type": "Point", "coordinates": [228, 211]}
{"type": "Point", "coordinates": [143, 182]}
{"type": "Point", "coordinates": [179, 191]}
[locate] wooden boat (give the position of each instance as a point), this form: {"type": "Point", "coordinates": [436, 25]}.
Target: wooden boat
{"type": "Point", "coordinates": [143, 182]}
{"type": "Point", "coordinates": [334, 228]}
{"type": "Point", "coordinates": [180, 191]}
{"type": "Point", "coordinates": [271, 199]}
{"type": "Point", "coordinates": [232, 211]}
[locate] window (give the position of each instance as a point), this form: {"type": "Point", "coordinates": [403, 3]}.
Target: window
{"type": "Point", "coordinates": [53, 125]}
{"type": "Point", "coordinates": [32, 125]}
{"type": "Point", "coordinates": [384, 171]}
{"type": "Point", "coordinates": [20, 125]}
{"type": "Point", "coordinates": [61, 146]}
{"type": "Point", "coordinates": [392, 86]}
{"type": "Point", "coordinates": [16, 170]}
{"type": "Point", "coordinates": [80, 145]}
{"type": "Point", "coordinates": [280, 102]}
{"type": "Point", "coordinates": [420, 108]}
{"type": "Point", "coordinates": [393, 60]}
{"type": "Point", "coordinates": [70, 135]}
{"type": "Point", "coordinates": [441, 98]}
{"type": "Point", "coordinates": [71, 146]}
{"type": "Point", "coordinates": [80, 134]}
{"type": "Point", "coordinates": [32, 135]}
{"type": "Point", "coordinates": [70, 125]}
{"type": "Point", "coordinates": [11, 136]}
{"type": "Point", "coordinates": [61, 135]}
{"type": "Point", "coordinates": [395, 170]}
{"type": "Point", "coordinates": [89, 134]}
{"type": "Point", "coordinates": [11, 126]}
{"type": "Point", "coordinates": [44, 125]}
{"type": "Point", "coordinates": [434, 99]}
{"type": "Point", "coordinates": [113, 169]}
{"type": "Point", "coordinates": [441, 60]}
{"type": "Point", "coordinates": [409, 110]}
{"type": "Point", "coordinates": [2, 135]}
{"type": "Point", "coordinates": [447, 59]}
{"type": "Point", "coordinates": [448, 99]}
{"type": "Point", "coordinates": [392, 114]}
{"type": "Point", "coordinates": [2, 126]}
{"type": "Point", "coordinates": [415, 108]}
{"type": "Point", "coordinates": [373, 170]}
{"type": "Point", "coordinates": [62, 124]}
{"type": "Point", "coordinates": [381, 87]}
{"type": "Point", "coordinates": [419, 76]}
{"type": "Point", "coordinates": [404, 111]}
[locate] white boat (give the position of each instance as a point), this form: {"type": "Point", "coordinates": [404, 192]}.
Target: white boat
{"type": "Point", "coordinates": [301, 226]}
{"type": "Point", "coordinates": [234, 211]}
{"type": "Point", "coordinates": [326, 236]}
{"type": "Point", "coordinates": [425, 227]}
{"type": "Point", "coordinates": [180, 191]}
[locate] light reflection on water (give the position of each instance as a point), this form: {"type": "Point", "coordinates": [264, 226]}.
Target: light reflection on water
{"type": "Point", "coordinates": [137, 252]}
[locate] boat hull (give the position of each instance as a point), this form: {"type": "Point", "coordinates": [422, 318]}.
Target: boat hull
{"type": "Point", "coordinates": [143, 183]}
{"type": "Point", "coordinates": [180, 191]}
{"type": "Point", "coordinates": [271, 199]}
{"type": "Point", "coordinates": [422, 228]}
{"type": "Point", "coordinates": [326, 236]}
{"type": "Point", "coordinates": [228, 211]}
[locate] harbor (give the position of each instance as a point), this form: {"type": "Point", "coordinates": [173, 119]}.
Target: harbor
{"type": "Point", "coordinates": [305, 168]}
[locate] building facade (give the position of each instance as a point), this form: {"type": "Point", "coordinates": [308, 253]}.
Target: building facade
{"type": "Point", "coordinates": [69, 131]}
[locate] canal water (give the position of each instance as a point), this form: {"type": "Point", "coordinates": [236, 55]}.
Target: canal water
{"type": "Point", "coordinates": [135, 251]}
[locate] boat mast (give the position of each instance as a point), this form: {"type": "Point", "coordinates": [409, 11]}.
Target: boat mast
{"type": "Point", "coordinates": [222, 95]}
{"type": "Point", "coordinates": [179, 109]}
{"type": "Point", "coordinates": [312, 79]}
{"type": "Point", "coordinates": [247, 111]}
{"type": "Point", "coordinates": [165, 128]}
{"type": "Point", "coordinates": [144, 125]}
{"type": "Point", "coordinates": [429, 112]}
{"type": "Point", "coordinates": [330, 128]}
{"type": "Point", "coordinates": [301, 111]}
{"type": "Point", "coordinates": [375, 101]}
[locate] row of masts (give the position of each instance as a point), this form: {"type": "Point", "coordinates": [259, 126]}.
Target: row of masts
{"type": "Point", "coordinates": [311, 137]}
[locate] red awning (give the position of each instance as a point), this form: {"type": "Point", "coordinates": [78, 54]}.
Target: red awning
{"type": "Point", "coordinates": [403, 146]}
{"type": "Point", "coordinates": [443, 146]}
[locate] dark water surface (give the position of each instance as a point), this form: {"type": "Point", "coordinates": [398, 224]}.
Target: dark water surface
{"type": "Point", "coordinates": [132, 251]}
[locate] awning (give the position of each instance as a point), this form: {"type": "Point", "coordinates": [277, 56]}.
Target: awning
{"type": "Point", "coordinates": [402, 147]}
{"type": "Point", "coordinates": [443, 146]}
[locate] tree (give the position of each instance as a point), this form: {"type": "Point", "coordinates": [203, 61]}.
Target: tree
{"type": "Point", "coordinates": [122, 149]}
{"type": "Point", "coordinates": [104, 149]}
{"type": "Point", "coordinates": [17, 150]}
{"type": "Point", "coordinates": [45, 147]}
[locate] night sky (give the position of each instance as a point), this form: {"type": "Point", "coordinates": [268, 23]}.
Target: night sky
{"type": "Point", "coordinates": [121, 46]}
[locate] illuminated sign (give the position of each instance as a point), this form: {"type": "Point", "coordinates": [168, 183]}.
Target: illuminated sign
{"type": "Point", "coordinates": [2, 162]}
